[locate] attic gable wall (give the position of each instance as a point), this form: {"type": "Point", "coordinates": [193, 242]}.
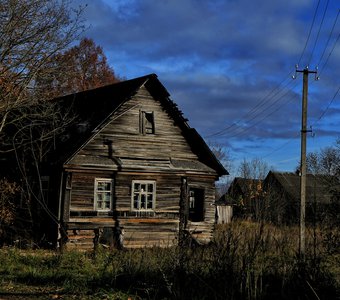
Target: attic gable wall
{"type": "Point", "coordinates": [122, 134]}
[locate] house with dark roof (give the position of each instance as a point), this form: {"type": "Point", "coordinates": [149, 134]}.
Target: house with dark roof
{"type": "Point", "coordinates": [246, 194]}
{"type": "Point", "coordinates": [277, 197]}
{"type": "Point", "coordinates": [128, 170]}
{"type": "Point", "coordinates": [283, 196]}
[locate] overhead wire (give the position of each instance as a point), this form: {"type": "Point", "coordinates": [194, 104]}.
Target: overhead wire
{"type": "Point", "coordinates": [243, 130]}
{"type": "Point", "coordinates": [254, 112]}
{"type": "Point", "coordinates": [309, 33]}
{"type": "Point", "coordinates": [274, 92]}
{"type": "Point", "coordinates": [327, 107]}
{"type": "Point", "coordinates": [318, 34]}
{"type": "Point", "coordinates": [321, 57]}
{"type": "Point", "coordinates": [263, 101]}
{"type": "Point", "coordinates": [329, 55]}
{"type": "Point", "coordinates": [281, 146]}
{"type": "Point", "coordinates": [329, 38]}
{"type": "Point", "coordinates": [297, 134]}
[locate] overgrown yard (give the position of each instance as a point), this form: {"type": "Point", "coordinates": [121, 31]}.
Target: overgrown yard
{"type": "Point", "coordinates": [245, 261]}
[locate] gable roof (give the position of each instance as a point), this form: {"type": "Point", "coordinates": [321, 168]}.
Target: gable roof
{"type": "Point", "coordinates": [318, 187]}
{"type": "Point", "coordinates": [92, 109]}
{"type": "Point", "coordinates": [243, 185]}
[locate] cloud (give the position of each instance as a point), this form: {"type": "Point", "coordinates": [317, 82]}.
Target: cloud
{"type": "Point", "coordinates": [226, 63]}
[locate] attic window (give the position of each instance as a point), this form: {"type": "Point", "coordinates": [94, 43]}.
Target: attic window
{"type": "Point", "coordinates": [147, 122]}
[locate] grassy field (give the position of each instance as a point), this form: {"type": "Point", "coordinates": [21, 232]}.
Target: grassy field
{"type": "Point", "coordinates": [245, 261]}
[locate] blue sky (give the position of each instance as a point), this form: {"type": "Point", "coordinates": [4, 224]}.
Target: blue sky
{"type": "Point", "coordinates": [228, 65]}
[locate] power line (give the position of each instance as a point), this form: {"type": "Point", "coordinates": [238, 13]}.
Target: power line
{"type": "Point", "coordinates": [251, 115]}
{"type": "Point", "coordinates": [318, 34]}
{"type": "Point", "coordinates": [263, 102]}
{"type": "Point", "coordinates": [243, 130]}
{"type": "Point", "coordinates": [329, 38]}
{"type": "Point", "coordinates": [282, 145]}
{"type": "Point", "coordinates": [297, 134]}
{"type": "Point", "coordinates": [266, 103]}
{"type": "Point", "coordinates": [328, 106]}
{"type": "Point", "coordinates": [310, 31]}
{"type": "Point", "coordinates": [329, 55]}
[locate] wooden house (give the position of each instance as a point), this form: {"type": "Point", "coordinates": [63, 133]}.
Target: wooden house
{"type": "Point", "coordinates": [129, 171]}
{"type": "Point", "coordinates": [246, 193]}
{"type": "Point", "coordinates": [282, 196]}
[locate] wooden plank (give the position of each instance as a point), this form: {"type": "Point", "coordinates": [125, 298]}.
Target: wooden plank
{"type": "Point", "coordinates": [141, 157]}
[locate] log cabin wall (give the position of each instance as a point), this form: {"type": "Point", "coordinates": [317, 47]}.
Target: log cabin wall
{"type": "Point", "coordinates": [141, 228]}
{"type": "Point", "coordinates": [202, 230]}
{"type": "Point", "coordinates": [122, 151]}
{"type": "Point", "coordinates": [127, 140]}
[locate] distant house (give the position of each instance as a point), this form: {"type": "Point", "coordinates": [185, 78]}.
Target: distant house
{"type": "Point", "coordinates": [129, 170]}
{"type": "Point", "coordinates": [246, 193]}
{"type": "Point", "coordinates": [283, 196]}
{"type": "Point", "coordinates": [277, 197]}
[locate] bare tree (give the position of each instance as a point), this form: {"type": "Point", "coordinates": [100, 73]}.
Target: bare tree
{"type": "Point", "coordinates": [31, 33]}
{"type": "Point", "coordinates": [253, 169]}
{"type": "Point", "coordinates": [253, 173]}
{"type": "Point", "coordinates": [326, 161]}
{"type": "Point", "coordinates": [223, 155]}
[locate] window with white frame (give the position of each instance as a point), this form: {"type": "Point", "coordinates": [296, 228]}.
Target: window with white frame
{"type": "Point", "coordinates": [103, 194]}
{"type": "Point", "coordinates": [143, 195]}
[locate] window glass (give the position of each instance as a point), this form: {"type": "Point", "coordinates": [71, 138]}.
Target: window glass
{"type": "Point", "coordinates": [150, 197]}
{"type": "Point", "coordinates": [103, 194]}
{"type": "Point", "coordinates": [143, 195]}
{"type": "Point", "coordinates": [142, 201]}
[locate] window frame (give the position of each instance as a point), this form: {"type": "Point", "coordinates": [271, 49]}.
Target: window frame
{"type": "Point", "coordinates": [147, 127]}
{"type": "Point", "coordinates": [96, 192]}
{"type": "Point", "coordinates": [145, 193]}
{"type": "Point", "coordinates": [196, 204]}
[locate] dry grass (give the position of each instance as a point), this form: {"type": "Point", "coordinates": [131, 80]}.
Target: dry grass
{"type": "Point", "coordinates": [246, 261]}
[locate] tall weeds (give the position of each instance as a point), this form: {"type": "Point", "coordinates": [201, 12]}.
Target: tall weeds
{"type": "Point", "coordinates": [244, 261]}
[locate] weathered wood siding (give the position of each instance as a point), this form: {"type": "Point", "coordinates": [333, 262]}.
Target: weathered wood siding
{"type": "Point", "coordinates": [202, 231]}
{"type": "Point", "coordinates": [82, 190]}
{"type": "Point", "coordinates": [137, 157]}
{"type": "Point", "coordinates": [224, 214]}
{"type": "Point", "coordinates": [127, 142]}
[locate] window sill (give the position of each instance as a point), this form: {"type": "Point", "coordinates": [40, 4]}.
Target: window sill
{"type": "Point", "coordinates": [142, 213]}
{"type": "Point", "coordinates": [90, 213]}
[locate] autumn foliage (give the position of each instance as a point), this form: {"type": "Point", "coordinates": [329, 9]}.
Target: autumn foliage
{"type": "Point", "coordinates": [90, 67]}
{"type": "Point", "coordinates": [8, 191]}
{"type": "Point", "coordinates": [85, 67]}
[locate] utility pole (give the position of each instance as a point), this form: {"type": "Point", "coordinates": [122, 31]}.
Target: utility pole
{"type": "Point", "coordinates": [303, 165]}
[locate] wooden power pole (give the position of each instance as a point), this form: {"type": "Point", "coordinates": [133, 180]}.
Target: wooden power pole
{"type": "Point", "coordinates": [303, 165]}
